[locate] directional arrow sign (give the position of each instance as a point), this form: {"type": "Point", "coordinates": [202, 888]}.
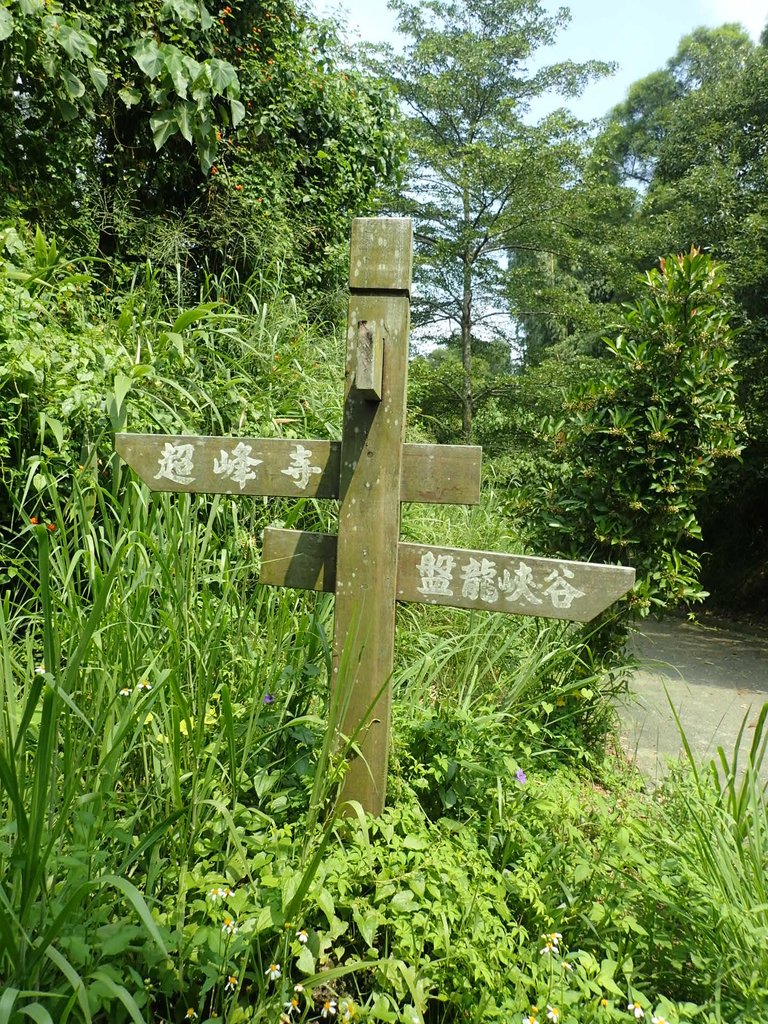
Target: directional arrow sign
{"type": "Point", "coordinates": [490, 580]}
{"type": "Point", "coordinates": [371, 471]}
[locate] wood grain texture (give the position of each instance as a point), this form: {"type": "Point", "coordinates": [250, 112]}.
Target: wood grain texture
{"type": "Point", "coordinates": [491, 581]}
{"type": "Point", "coordinates": [516, 584]}
{"type": "Point", "coordinates": [369, 512]}
{"type": "Point", "coordinates": [430, 472]}
{"type": "Point", "coordinates": [298, 558]}
{"type": "Point", "coordinates": [381, 255]}
{"type": "Point", "coordinates": [278, 471]}
{"type": "Point", "coordinates": [370, 360]}
{"type": "Point", "coordinates": [441, 473]}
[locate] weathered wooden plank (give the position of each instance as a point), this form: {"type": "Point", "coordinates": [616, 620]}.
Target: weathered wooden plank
{"type": "Point", "coordinates": [430, 472]}
{"type": "Point", "coordinates": [298, 558]}
{"type": "Point", "coordinates": [441, 473]}
{"type": "Point", "coordinates": [489, 580]}
{"type": "Point", "coordinates": [516, 584]}
{"type": "Point", "coordinates": [369, 512]}
{"type": "Point", "coordinates": [276, 466]}
{"type": "Point", "coordinates": [381, 254]}
{"type": "Point", "coordinates": [370, 360]}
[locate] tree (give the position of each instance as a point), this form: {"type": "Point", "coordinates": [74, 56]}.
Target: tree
{"type": "Point", "coordinates": [484, 183]}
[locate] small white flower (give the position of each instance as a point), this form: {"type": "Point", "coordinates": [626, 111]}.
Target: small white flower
{"type": "Point", "coordinates": [190, 1014]}
{"type": "Point", "coordinates": [302, 936]}
{"type": "Point", "coordinates": [348, 1010]}
{"type": "Point", "coordinates": [298, 988]}
{"type": "Point", "coordinates": [231, 983]}
{"type": "Point", "coordinates": [636, 1010]}
{"type": "Point", "coordinates": [659, 1020]}
{"type": "Point", "coordinates": [40, 670]}
{"type": "Point", "coordinates": [329, 1008]}
{"type": "Point", "coordinates": [229, 926]}
{"type": "Point", "coordinates": [219, 892]}
{"type": "Point", "coordinates": [273, 972]}
{"type": "Point", "coordinates": [548, 948]}
{"type": "Point", "coordinates": [567, 966]}
{"type": "Point", "coordinates": [553, 1014]}
{"type": "Point", "coordinates": [144, 685]}
{"type": "Point", "coordinates": [292, 1006]}
{"type": "Point", "coordinates": [125, 692]}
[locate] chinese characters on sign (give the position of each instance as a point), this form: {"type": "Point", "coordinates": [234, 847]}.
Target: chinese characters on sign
{"type": "Point", "coordinates": [176, 463]}
{"type": "Point", "coordinates": [481, 580]}
{"type": "Point", "coordinates": [300, 469]}
{"type": "Point", "coordinates": [237, 465]}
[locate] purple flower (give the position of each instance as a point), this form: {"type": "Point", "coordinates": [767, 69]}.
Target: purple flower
{"type": "Point", "coordinates": [268, 698]}
{"type": "Point", "coordinates": [521, 777]}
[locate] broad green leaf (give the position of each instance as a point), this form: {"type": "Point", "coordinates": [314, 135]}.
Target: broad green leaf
{"type": "Point", "coordinates": [74, 979]}
{"type": "Point", "coordinates": [7, 999]}
{"type": "Point", "coordinates": [223, 76]}
{"type": "Point", "coordinates": [305, 961]}
{"type": "Point", "coordinates": [415, 843]}
{"type": "Point", "coordinates": [133, 895]}
{"type": "Point", "coordinates": [122, 386]}
{"type": "Point", "coordinates": [98, 77]}
{"type": "Point", "coordinates": [184, 11]}
{"type": "Point", "coordinates": [190, 315]}
{"type": "Point", "coordinates": [184, 111]}
{"type": "Point", "coordinates": [326, 904]}
{"type": "Point", "coordinates": [6, 23]}
{"type": "Point", "coordinates": [163, 126]}
{"type": "Point", "coordinates": [367, 924]}
{"type": "Point", "coordinates": [56, 427]}
{"type": "Point", "coordinates": [237, 110]}
{"type": "Point", "coordinates": [118, 992]}
{"type": "Point", "coordinates": [206, 151]}
{"type": "Point", "coordinates": [73, 41]}
{"type": "Point", "coordinates": [129, 96]}
{"type": "Point", "coordinates": [174, 66]}
{"type": "Point", "coordinates": [67, 110]}
{"type": "Point", "coordinates": [149, 58]}
{"type": "Point", "coordinates": [206, 21]}
{"type": "Point", "coordinates": [73, 84]}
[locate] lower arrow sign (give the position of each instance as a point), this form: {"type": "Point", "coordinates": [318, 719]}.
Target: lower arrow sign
{"type": "Point", "coordinates": [491, 580]}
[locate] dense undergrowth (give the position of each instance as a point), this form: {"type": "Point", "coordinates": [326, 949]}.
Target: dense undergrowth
{"type": "Point", "coordinates": [168, 846]}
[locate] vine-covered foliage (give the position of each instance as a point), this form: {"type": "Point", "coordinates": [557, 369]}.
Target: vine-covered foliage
{"type": "Point", "coordinates": [199, 137]}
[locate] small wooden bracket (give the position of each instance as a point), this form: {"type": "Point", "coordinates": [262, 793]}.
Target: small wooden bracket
{"type": "Point", "coordinates": [369, 359]}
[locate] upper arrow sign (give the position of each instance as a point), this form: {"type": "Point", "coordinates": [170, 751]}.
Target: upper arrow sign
{"type": "Point", "coordinates": [280, 467]}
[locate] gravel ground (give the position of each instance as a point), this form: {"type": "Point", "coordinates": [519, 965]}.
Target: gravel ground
{"type": "Point", "coordinates": [714, 677]}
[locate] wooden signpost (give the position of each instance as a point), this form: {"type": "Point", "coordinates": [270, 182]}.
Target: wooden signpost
{"type": "Point", "coordinates": [371, 471]}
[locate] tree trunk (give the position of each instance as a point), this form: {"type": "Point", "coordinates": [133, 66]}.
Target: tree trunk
{"type": "Point", "coordinates": [466, 333]}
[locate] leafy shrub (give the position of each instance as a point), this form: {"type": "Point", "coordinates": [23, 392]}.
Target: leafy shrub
{"type": "Point", "coordinates": [640, 442]}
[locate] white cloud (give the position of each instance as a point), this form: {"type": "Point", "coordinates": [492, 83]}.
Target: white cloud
{"type": "Point", "coordinates": [752, 14]}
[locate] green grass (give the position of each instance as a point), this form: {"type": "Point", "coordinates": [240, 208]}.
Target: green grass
{"type": "Point", "coordinates": [169, 753]}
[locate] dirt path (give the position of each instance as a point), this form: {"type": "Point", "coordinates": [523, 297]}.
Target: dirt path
{"type": "Point", "coordinates": [714, 677]}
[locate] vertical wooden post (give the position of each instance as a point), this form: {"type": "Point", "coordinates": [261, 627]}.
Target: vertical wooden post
{"type": "Point", "coordinates": [369, 514]}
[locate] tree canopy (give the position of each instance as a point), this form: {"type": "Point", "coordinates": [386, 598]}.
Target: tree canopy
{"type": "Point", "coordinates": [485, 183]}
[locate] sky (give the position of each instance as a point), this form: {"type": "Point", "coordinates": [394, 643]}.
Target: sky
{"type": "Point", "coordinates": [639, 35]}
